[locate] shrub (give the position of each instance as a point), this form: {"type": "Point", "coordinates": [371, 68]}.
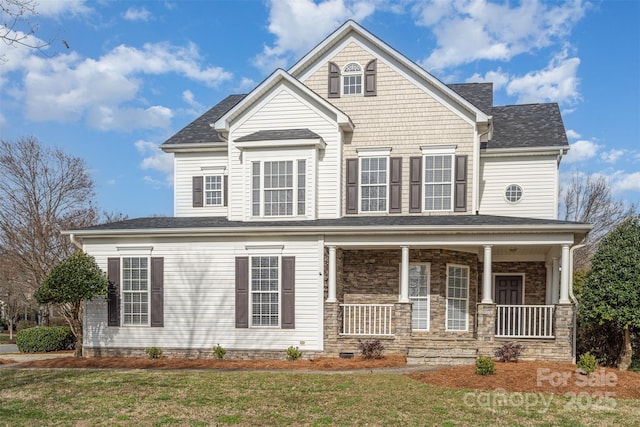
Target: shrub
{"type": "Point", "coordinates": [153, 352]}
{"type": "Point", "coordinates": [21, 325]}
{"type": "Point", "coordinates": [509, 352]}
{"type": "Point", "coordinates": [45, 338]}
{"type": "Point", "coordinates": [587, 363]}
{"type": "Point", "coordinates": [293, 353]}
{"type": "Point", "coordinates": [485, 366]}
{"type": "Point", "coordinates": [218, 351]}
{"type": "Point", "coordinates": [371, 349]}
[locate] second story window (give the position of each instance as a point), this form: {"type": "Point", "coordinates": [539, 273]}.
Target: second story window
{"type": "Point", "coordinates": [352, 79]}
{"type": "Point", "coordinates": [213, 190]}
{"type": "Point", "coordinates": [438, 182]}
{"type": "Point", "coordinates": [278, 188]}
{"type": "Point", "coordinates": [373, 184]}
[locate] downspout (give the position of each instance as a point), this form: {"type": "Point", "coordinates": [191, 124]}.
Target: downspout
{"type": "Point", "coordinates": [574, 299]}
{"type": "Point", "coordinates": [75, 241]}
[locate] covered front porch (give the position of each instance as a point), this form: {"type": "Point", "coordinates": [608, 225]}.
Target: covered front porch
{"type": "Point", "coordinates": [447, 304]}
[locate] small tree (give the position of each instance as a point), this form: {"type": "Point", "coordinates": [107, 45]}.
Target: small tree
{"type": "Point", "coordinates": [611, 290]}
{"type": "Point", "coordinates": [75, 279]}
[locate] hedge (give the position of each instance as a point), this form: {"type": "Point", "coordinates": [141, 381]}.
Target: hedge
{"type": "Point", "coordinates": [45, 338]}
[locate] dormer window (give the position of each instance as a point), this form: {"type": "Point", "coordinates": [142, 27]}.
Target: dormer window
{"type": "Point", "coordinates": [352, 79]}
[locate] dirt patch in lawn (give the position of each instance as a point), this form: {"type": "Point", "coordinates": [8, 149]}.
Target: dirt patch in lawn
{"type": "Point", "coordinates": [539, 377]}
{"type": "Point", "coordinates": [333, 364]}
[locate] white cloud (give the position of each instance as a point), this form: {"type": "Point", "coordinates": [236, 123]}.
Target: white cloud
{"type": "Point", "coordinates": [558, 82]}
{"type": "Point", "coordinates": [612, 155]}
{"type": "Point", "coordinates": [137, 14]}
{"type": "Point", "coordinates": [60, 7]}
{"type": "Point", "coordinates": [104, 91]}
{"type": "Point", "coordinates": [498, 78]}
{"type": "Point", "coordinates": [627, 182]}
{"type": "Point", "coordinates": [572, 134]}
{"type": "Point", "coordinates": [298, 25]}
{"type": "Point", "coordinates": [492, 31]}
{"type": "Point", "coordinates": [246, 84]}
{"type": "Point", "coordinates": [580, 151]}
{"type": "Point", "coordinates": [155, 159]}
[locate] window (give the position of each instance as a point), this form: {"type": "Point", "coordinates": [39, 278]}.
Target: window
{"type": "Point", "coordinates": [457, 297]}
{"type": "Point", "coordinates": [277, 190]}
{"type": "Point", "coordinates": [373, 184]}
{"type": "Point", "coordinates": [438, 182]}
{"type": "Point", "coordinates": [419, 296]}
{"type": "Point", "coordinates": [135, 291]}
{"type": "Point", "coordinates": [513, 193]}
{"type": "Point", "coordinates": [265, 276]}
{"type": "Point", "coordinates": [213, 190]}
{"type": "Point", "coordinates": [352, 79]}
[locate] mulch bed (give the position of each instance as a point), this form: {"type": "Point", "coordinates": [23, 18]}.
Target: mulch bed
{"type": "Point", "coordinates": [539, 377]}
{"type": "Point", "coordinates": [6, 361]}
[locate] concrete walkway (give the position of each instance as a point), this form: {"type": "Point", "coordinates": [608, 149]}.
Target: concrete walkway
{"type": "Point", "coordinates": [10, 351]}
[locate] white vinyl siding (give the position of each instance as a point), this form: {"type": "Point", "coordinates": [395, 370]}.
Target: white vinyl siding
{"type": "Point", "coordinates": [188, 165]}
{"type": "Point", "coordinates": [199, 294]}
{"type": "Point", "coordinates": [457, 297]}
{"type": "Point", "coordinates": [536, 175]}
{"type": "Point", "coordinates": [419, 296]}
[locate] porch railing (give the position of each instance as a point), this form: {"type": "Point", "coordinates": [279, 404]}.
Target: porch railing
{"type": "Point", "coordinates": [366, 319]}
{"type": "Point", "coordinates": [524, 321]}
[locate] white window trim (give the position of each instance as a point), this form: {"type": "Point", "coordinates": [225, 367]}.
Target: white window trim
{"type": "Point", "coordinates": [204, 194]}
{"type": "Point", "coordinates": [352, 73]}
{"type": "Point", "coordinates": [368, 156]}
{"type": "Point", "coordinates": [267, 252]}
{"type": "Point", "coordinates": [122, 291]}
{"type": "Point", "coordinates": [446, 317]}
{"type": "Point", "coordinates": [504, 194]}
{"type": "Point", "coordinates": [427, 298]}
{"type": "Point", "coordinates": [438, 150]}
{"type": "Point", "coordinates": [294, 209]}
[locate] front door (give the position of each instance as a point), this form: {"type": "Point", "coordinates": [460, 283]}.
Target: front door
{"type": "Point", "coordinates": [509, 290]}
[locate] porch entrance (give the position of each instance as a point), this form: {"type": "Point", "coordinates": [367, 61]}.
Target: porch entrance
{"type": "Point", "coordinates": [509, 290]}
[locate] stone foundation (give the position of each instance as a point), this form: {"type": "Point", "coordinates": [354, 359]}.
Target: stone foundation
{"type": "Point", "coordinates": [195, 353]}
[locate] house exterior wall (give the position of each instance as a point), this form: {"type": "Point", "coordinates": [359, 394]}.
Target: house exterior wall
{"type": "Point", "coordinates": [538, 177]}
{"type": "Point", "coordinates": [401, 115]}
{"type": "Point", "coordinates": [284, 109]}
{"type": "Point", "coordinates": [188, 165]}
{"type": "Point", "coordinates": [199, 298]}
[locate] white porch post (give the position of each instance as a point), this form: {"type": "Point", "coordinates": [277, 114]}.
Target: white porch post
{"type": "Point", "coordinates": [564, 276]}
{"type": "Point", "coordinates": [554, 280]}
{"type": "Point", "coordinates": [404, 275]}
{"type": "Point", "coordinates": [487, 298]}
{"type": "Point", "coordinates": [331, 297]}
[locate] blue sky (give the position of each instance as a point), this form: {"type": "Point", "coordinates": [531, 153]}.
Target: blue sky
{"type": "Point", "coordinates": [136, 72]}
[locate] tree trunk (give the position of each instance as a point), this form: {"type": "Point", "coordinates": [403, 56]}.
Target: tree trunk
{"type": "Point", "coordinates": [10, 328]}
{"type": "Point", "coordinates": [627, 351]}
{"type": "Point", "coordinates": [78, 352]}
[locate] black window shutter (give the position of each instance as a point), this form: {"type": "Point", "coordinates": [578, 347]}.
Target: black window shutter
{"type": "Point", "coordinates": [225, 190]}
{"type": "Point", "coordinates": [113, 292]}
{"type": "Point", "coordinates": [395, 185]}
{"type": "Point", "coordinates": [157, 292]}
{"type": "Point", "coordinates": [334, 81]}
{"type": "Point", "coordinates": [242, 292]}
{"type": "Point", "coordinates": [370, 78]}
{"type": "Point", "coordinates": [415, 184]}
{"type": "Point", "coordinates": [197, 192]}
{"type": "Point", "coordinates": [288, 292]}
{"type": "Point", "coordinates": [352, 186]}
{"type": "Point", "coordinates": [460, 192]}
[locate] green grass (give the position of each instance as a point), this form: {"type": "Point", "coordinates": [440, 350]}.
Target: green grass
{"type": "Point", "coordinates": [4, 338]}
{"type": "Point", "coordinates": [202, 398]}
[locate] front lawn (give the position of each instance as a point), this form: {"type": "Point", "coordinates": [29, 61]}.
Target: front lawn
{"type": "Point", "coordinates": [199, 398]}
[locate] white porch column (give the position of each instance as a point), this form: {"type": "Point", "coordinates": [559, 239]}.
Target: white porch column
{"type": "Point", "coordinates": [331, 297]}
{"type": "Point", "coordinates": [487, 298]}
{"type": "Point", "coordinates": [404, 275]}
{"type": "Point", "coordinates": [564, 276]}
{"type": "Point", "coordinates": [554, 280]}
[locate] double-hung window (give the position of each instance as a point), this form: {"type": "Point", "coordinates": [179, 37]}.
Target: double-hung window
{"type": "Point", "coordinates": [374, 183]}
{"type": "Point", "coordinates": [135, 291]}
{"type": "Point", "coordinates": [213, 190]}
{"type": "Point", "coordinates": [278, 188]}
{"type": "Point", "coordinates": [457, 297]}
{"type": "Point", "coordinates": [265, 290]}
{"type": "Point", "coordinates": [419, 296]}
{"type": "Point", "coordinates": [352, 79]}
{"type": "Point", "coordinates": [438, 178]}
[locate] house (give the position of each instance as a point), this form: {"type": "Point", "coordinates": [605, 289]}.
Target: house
{"type": "Point", "coordinates": [354, 196]}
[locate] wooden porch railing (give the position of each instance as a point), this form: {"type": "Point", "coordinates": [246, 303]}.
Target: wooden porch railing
{"type": "Point", "coordinates": [367, 319]}
{"type": "Point", "coordinates": [524, 321]}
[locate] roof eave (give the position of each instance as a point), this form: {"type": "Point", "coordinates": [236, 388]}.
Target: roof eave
{"type": "Point", "coordinates": [194, 147]}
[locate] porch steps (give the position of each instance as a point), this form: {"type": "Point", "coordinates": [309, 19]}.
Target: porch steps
{"type": "Point", "coordinates": [446, 353]}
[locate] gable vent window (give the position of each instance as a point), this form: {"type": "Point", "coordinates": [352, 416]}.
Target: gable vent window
{"type": "Point", "coordinates": [352, 79]}
{"type": "Point", "coordinates": [513, 193]}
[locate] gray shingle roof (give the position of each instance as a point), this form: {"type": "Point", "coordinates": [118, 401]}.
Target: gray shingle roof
{"type": "Point", "coordinates": [199, 130]}
{"type": "Point", "coordinates": [384, 222]}
{"type": "Point", "coordinates": [479, 94]}
{"type": "Point", "coordinates": [529, 125]}
{"type": "Point", "coordinates": [280, 134]}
